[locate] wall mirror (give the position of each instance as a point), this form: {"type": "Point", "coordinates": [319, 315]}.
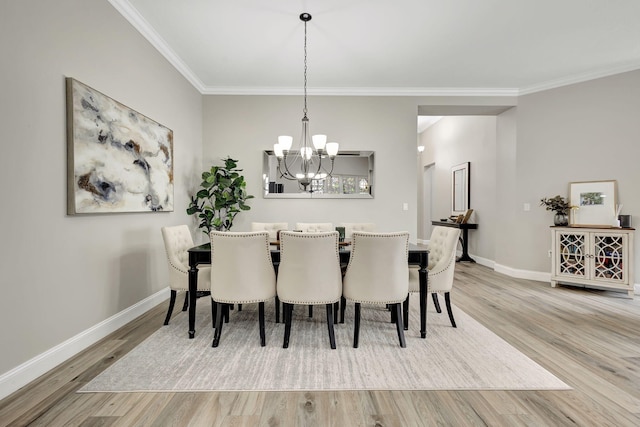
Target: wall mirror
{"type": "Point", "coordinates": [352, 178]}
{"type": "Point", "coordinates": [460, 194]}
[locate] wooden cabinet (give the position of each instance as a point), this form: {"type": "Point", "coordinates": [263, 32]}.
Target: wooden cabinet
{"type": "Point", "coordinates": [597, 257]}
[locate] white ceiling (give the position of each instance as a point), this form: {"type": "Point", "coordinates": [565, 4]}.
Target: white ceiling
{"type": "Point", "coordinates": [391, 47]}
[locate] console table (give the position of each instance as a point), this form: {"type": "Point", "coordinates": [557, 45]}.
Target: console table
{"type": "Point", "coordinates": [464, 237]}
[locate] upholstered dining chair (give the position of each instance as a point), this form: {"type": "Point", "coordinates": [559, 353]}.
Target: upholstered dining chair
{"type": "Point", "coordinates": [271, 227]}
{"type": "Point", "coordinates": [314, 227]}
{"type": "Point", "coordinates": [241, 273]}
{"type": "Point", "coordinates": [177, 240]}
{"type": "Point", "coordinates": [377, 274]}
{"type": "Point", "coordinates": [350, 227]}
{"type": "Point", "coordinates": [440, 269]}
{"type": "Point", "coordinates": [309, 274]}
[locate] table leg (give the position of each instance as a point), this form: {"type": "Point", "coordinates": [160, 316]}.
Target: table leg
{"type": "Point", "coordinates": [465, 246]}
{"type": "Point", "coordinates": [193, 291]}
{"type": "Point", "coordinates": [423, 298]}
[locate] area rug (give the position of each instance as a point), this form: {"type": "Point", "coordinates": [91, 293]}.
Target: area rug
{"type": "Point", "coordinates": [469, 357]}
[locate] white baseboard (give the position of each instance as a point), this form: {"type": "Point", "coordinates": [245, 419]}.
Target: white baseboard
{"type": "Point", "coordinates": [482, 261]}
{"type": "Point", "coordinates": [523, 274]}
{"type": "Point", "coordinates": [23, 374]}
{"type": "Point", "coordinates": [537, 275]}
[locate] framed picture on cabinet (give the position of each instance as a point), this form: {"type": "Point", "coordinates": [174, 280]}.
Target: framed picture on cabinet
{"type": "Point", "coordinates": [593, 203]}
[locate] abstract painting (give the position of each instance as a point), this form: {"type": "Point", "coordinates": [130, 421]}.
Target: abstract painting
{"type": "Point", "coordinates": [118, 160]}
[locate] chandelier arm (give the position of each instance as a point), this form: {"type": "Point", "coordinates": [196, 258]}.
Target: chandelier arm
{"type": "Point", "coordinates": [332, 162]}
{"type": "Point", "coordinates": [287, 174]}
{"type": "Point", "coordinates": [324, 170]}
{"type": "Point", "coordinates": [319, 165]}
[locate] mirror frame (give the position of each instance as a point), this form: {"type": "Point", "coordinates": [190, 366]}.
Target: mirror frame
{"type": "Point", "coordinates": [460, 188]}
{"type": "Point", "coordinates": [361, 153]}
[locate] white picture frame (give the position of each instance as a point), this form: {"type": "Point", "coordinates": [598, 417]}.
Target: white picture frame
{"type": "Point", "coordinates": [460, 192]}
{"type": "Point", "coordinates": [593, 203]}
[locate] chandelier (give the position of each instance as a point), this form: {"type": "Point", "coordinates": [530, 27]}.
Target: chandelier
{"type": "Point", "coordinates": [305, 165]}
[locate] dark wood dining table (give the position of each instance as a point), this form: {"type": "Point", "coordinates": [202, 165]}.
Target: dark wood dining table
{"type": "Point", "coordinates": [202, 255]}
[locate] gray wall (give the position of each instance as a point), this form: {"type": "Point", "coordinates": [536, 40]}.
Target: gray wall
{"type": "Point", "coordinates": [244, 126]}
{"type": "Point", "coordinates": [506, 186]}
{"type": "Point", "coordinates": [583, 132]}
{"type": "Point", "coordinates": [62, 275]}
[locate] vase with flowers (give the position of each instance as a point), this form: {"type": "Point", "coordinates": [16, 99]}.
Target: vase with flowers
{"type": "Point", "coordinates": [560, 206]}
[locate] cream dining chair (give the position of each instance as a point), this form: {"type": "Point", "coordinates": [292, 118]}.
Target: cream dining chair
{"type": "Point", "coordinates": [377, 273]}
{"type": "Point", "coordinates": [241, 273]}
{"type": "Point", "coordinates": [440, 269]}
{"type": "Point", "coordinates": [177, 240]}
{"type": "Point", "coordinates": [271, 227]}
{"type": "Point", "coordinates": [314, 227]}
{"type": "Point", "coordinates": [309, 274]}
{"type": "Point", "coordinates": [350, 227]}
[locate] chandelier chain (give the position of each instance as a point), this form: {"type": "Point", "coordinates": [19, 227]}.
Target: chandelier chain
{"type": "Point", "coordinates": [312, 149]}
{"type": "Point", "coordinates": [305, 69]}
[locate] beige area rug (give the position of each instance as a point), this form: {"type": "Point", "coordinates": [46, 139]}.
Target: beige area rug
{"type": "Point", "coordinates": [469, 357]}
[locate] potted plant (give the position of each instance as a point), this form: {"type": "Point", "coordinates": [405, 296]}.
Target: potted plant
{"type": "Point", "coordinates": [561, 208]}
{"type": "Point", "coordinates": [222, 196]}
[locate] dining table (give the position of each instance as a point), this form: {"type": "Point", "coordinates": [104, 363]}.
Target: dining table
{"type": "Point", "coordinates": [201, 254]}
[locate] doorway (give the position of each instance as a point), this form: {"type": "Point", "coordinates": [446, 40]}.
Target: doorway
{"type": "Point", "coordinates": [427, 191]}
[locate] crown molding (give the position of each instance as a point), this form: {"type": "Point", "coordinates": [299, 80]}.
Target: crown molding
{"type": "Point", "coordinates": [362, 91]}
{"type": "Point", "coordinates": [134, 17]}
{"type": "Point", "coordinates": [580, 78]}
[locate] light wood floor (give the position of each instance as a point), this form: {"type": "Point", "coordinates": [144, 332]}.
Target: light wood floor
{"type": "Point", "coordinates": [589, 339]}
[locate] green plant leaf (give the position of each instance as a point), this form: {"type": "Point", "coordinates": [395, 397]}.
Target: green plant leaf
{"type": "Point", "coordinates": [202, 194]}
{"type": "Point", "coordinates": [230, 163]}
{"type": "Point", "coordinates": [221, 197]}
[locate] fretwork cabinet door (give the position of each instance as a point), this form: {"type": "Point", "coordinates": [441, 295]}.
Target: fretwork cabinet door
{"type": "Point", "coordinates": [596, 257]}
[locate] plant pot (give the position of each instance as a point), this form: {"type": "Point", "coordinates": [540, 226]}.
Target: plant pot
{"type": "Point", "coordinates": [561, 219]}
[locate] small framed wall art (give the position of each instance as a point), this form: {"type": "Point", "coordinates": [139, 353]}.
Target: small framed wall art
{"type": "Point", "coordinates": [118, 160]}
{"type": "Point", "coordinates": [593, 203]}
{"type": "Point", "coordinates": [460, 192]}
